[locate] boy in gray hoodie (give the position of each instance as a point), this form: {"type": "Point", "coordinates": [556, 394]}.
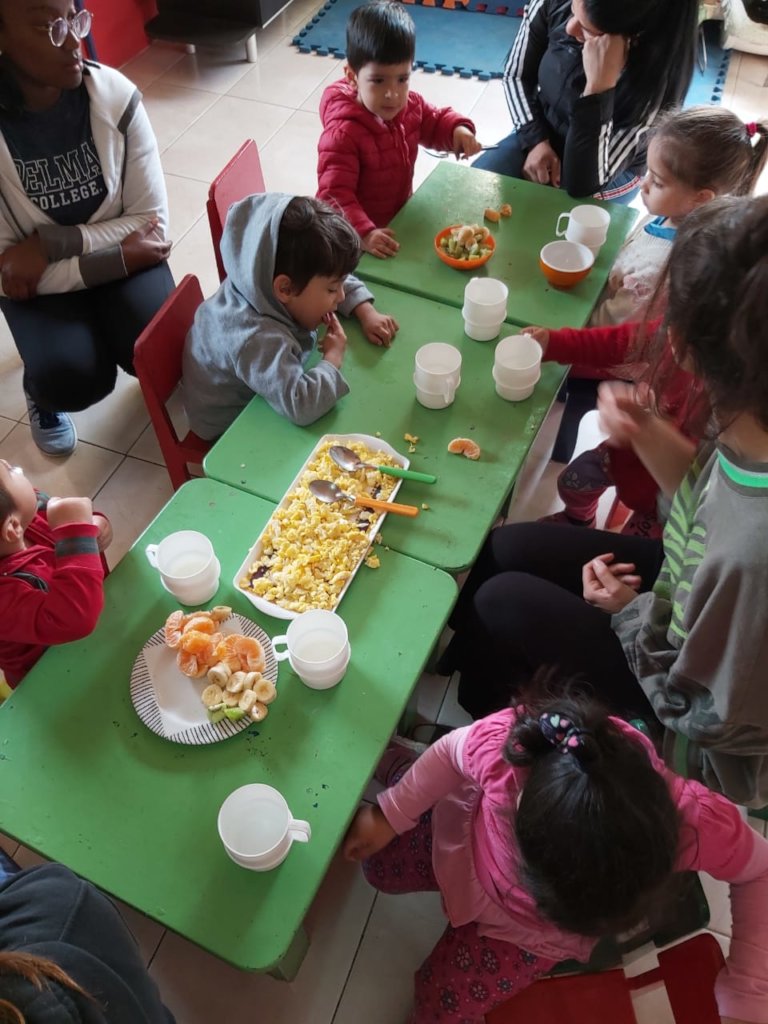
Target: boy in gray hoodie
{"type": "Point", "coordinates": [288, 261]}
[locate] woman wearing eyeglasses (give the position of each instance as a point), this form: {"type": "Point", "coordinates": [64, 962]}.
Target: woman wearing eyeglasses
{"type": "Point", "coordinates": [83, 215]}
{"type": "Point", "coordinates": [584, 82]}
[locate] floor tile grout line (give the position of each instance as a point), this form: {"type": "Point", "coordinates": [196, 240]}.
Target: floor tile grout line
{"type": "Point", "coordinates": [354, 958]}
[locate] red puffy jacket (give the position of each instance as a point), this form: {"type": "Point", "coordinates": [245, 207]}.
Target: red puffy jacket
{"type": "Point", "coordinates": [365, 165]}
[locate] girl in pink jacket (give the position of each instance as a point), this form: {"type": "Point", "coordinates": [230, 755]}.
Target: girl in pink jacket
{"type": "Point", "coordinates": [545, 827]}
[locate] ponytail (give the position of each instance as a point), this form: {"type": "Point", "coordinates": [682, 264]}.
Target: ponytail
{"type": "Point", "coordinates": [36, 970]}
{"type": "Point", "coordinates": [596, 826]}
{"type": "Point", "coordinates": [757, 136]}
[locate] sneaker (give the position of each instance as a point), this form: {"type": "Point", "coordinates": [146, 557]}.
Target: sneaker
{"type": "Point", "coordinates": [53, 432]}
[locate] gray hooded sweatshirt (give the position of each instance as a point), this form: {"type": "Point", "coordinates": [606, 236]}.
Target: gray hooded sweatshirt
{"type": "Point", "coordinates": [244, 342]}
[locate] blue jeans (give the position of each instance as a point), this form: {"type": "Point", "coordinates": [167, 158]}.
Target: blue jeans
{"type": "Point", "coordinates": [510, 156]}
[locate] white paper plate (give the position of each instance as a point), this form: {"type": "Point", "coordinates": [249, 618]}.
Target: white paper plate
{"type": "Point", "coordinates": [168, 702]}
{"type": "Point", "coordinates": [375, 444]}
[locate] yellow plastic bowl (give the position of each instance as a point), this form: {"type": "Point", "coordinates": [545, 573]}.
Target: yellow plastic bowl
{"type": "Point", "coordinates": [565, 263]}
{"type": "Point", "coordinates": [462, 264]}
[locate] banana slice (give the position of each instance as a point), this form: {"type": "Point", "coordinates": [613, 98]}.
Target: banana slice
{"type": "Point", "coordinates": [219, 674]}
{"type": "Point", "coordinates": [220, 612]}
{"type": "Point", "coordinates": [251, 679]}
{"type": "Point", "coordinates": [213, 694]}
{"type": "Point", "coordinates": [236, 683]}
{"type": "Point", "coordinates": [259, 711]}
{"type": "Point", "coordinates": [231, 700]}
{"type": "Point", "coordinates": [265, 691]}
{"type": "Point", "coordinates": [247, 700]}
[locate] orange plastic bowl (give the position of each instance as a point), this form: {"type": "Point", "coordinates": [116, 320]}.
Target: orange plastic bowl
{"type": "Point", "coordinates": [565, 263]}
{"type": "Point", "coordinates": [462, 264]}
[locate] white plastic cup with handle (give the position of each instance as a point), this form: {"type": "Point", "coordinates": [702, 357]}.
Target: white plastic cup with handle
{"type": "Point", "coordinates": [317, 648]}
{"type": "Point", "coordinates": [257, 828]}
{"type": "Point", "coordinates": [485, 301]}
{"type": "Point", "coordinates": [437, 373]}
{"type": "Point", "coordinates": [588, 225]}
{"type": "Point", "coordinates": [188, 566]}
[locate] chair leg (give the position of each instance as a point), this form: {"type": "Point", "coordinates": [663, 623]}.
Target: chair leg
{"type": "Point", "coordinates": [250, 49]}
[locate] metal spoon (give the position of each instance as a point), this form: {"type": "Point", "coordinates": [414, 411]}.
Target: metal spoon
{"type": "Point", "coordinates": [326, 490]}
{"type": "Point", "coordinates": [349, 461]}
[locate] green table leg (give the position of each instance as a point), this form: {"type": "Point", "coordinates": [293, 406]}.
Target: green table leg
{"type": "Point", "coordinates": [289, 966]}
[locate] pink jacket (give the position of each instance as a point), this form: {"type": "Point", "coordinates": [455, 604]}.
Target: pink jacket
{"type": "Point", "coordinates": [365, 165]}
{"type": "Point", "coordinates": [473, 792]}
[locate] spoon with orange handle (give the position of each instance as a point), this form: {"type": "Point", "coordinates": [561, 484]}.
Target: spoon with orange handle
{"type": "Point", "coordinates": [326, 490]}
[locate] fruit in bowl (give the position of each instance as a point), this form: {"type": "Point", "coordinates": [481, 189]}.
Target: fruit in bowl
{"type": "Point", "coordinates": [465, 246]}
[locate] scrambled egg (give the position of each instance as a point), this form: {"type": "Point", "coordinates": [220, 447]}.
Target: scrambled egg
{"type": "Point", "coordinates": [309, 549]}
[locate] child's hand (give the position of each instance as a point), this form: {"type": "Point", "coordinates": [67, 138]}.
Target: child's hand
{"type": "Point", "coordinates": [381, 242]}
{"type": "Point", "coordinates": [369, 832]}
{"type": "Point", "coordinates": [21, 266]}
{"type": "Point", "coordinates": [540, 334]}
{"type": "Point", "coordinates": [464, 143]}
{"type": "Point", "coordinates": [609, 585]}
{"type": "Point", "coordinates": [144, 248]}
{"type": "Point", "coordinates": [64, 511]}
{"type": "Point", "coordinates": [623, 411]}
{"type": "Point", "coordinates": [379, 328]}
{"type": "Point", "coordinates": [334, 343]}
{"type": "Point", "coordinates": [104, 538]}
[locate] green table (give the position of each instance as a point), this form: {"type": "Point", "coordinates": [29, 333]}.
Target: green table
{"type": "Point", "coordinates": [262, 452]}
{"type": "Point", "coordinates": [457, 194]}
{"type": "Point", "coordinates": [84, 782]}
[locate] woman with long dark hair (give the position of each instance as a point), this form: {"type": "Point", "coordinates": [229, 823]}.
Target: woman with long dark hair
{"type": "Point", "coordinates": [584, 82]}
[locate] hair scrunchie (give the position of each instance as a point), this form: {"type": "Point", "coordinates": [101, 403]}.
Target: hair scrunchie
{"type": "Point", "coordinates": [561, 732]}
{"type": "Point", "coordinates": [751, 127]}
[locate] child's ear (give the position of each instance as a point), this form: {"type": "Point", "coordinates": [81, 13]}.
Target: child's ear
{"type": "Point", "coordinates": [11, 529]}
{"type": "Point", "coordinates": [705, 195]}
{"type": "Point", "coordinates": [283, 288]}
{"type": "Point", "coordinates": [350, 75]}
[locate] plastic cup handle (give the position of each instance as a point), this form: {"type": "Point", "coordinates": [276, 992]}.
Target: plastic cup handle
{"type": "Point", "coordinates": [299, 831]}
{"type": "Point", "coordinates": [280, 655]}
{"type": "Point", "coordinates": [151, 552]}
{"type": "Point", "coordinates": [558, 232]}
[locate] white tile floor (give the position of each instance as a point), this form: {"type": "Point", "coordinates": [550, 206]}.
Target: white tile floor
{"type": "Point", "coordinates": [364, 947]}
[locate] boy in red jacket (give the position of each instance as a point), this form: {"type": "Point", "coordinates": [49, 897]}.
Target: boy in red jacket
{"type": "Point", "coordinates": [51, 576]}
{"type": "Point", "coordinates": [373, 126]}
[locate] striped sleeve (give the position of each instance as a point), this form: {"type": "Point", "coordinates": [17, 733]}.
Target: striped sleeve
{"type": "Point", "coordinates": [521, 75]}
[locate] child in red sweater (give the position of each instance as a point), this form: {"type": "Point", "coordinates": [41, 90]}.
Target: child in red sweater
{"type": "Point", "coordinates": [373, 126]}
{"type": "Point", "coordinates": [51, 576]}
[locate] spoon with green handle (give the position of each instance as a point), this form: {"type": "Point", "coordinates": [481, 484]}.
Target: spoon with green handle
{"type": "Point", "coordinates": [346, 459]}
{"type": "Point", "coordinates": [326, 490]}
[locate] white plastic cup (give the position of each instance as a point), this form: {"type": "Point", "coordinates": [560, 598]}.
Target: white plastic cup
{"type": "Point", "coordinates": [512, 393]}
{"type": "Point", "coordinates": [481, 332]}
{"type": "Point", "coordinates": [485, 301]}
{"type": "Point", "coordinates": [517, 361]}
{"type": "Point", "coordinates": [188, 567]}
{"type": "Point", "coordinates": [587, 225]}
{"type": "Point", "coordinates": [438, 369]}
{"type": "Point", "coordinates": [317, 648]}
{"type": "Point", "coordinates": [257, 829]}
{"type": "Point", "coordinates": [436, 399]}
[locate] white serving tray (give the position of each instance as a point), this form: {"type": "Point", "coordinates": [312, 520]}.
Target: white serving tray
{"type": "Point", "coordinates": [374, 443]}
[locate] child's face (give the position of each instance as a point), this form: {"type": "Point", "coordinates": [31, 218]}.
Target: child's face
{"type": "Point", "coordinates": [321, 296]}
{"type": "Point", "coordinates": [382, 88]}
{"type": "Point", "coordinates": [21, 491]}
{"type": "Point", "coordinates": [665, 196]}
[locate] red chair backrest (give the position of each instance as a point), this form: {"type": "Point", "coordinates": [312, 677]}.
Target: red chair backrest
{"type": "Point", "coordinates": [240, 178]}
{"type": "Point", "coordinates": [160, 346]}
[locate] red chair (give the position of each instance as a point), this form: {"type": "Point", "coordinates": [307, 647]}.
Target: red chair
{"type": "Point", "coordinates": [157, 360]}
{"type": "Point", "coordinates": [240, 178]}
{"type": "Point", "coordinates": [688, 971]}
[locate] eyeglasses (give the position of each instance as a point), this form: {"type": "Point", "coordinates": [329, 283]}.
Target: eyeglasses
{"type": "Point", "coordinates": [79, 26]}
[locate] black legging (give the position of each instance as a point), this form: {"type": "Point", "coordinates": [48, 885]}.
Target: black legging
{"type": "Point", "coordinates": [522, 608]}
{"type": "Point", "coordinates": [72, 344]}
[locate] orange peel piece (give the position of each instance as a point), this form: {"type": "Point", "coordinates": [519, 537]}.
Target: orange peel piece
{"type": "Point", "coordinates": [492, 215]}
{"type": "Point", "coordinates": [505, 210]}
{"type": "Point", "coordinates": [465, 446]}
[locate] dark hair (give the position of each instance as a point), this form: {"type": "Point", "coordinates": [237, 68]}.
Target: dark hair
{"type": "Point", "coordinates": [38, 971]}
{"type": "Point", "coordinates": [382, 32]}
{"type": "Point", "coordinates": [662, 44]}
{"type": "Point", "coordinates": [314, 240]}
{"type": "Point", "coordinates": [596, 826]}
{"type": "Point", "coordinates": [710, 147]}
{"type": "Point", "coordinates": [716, 283]}
{"type": "Point", "coordinates": [7, 504]}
